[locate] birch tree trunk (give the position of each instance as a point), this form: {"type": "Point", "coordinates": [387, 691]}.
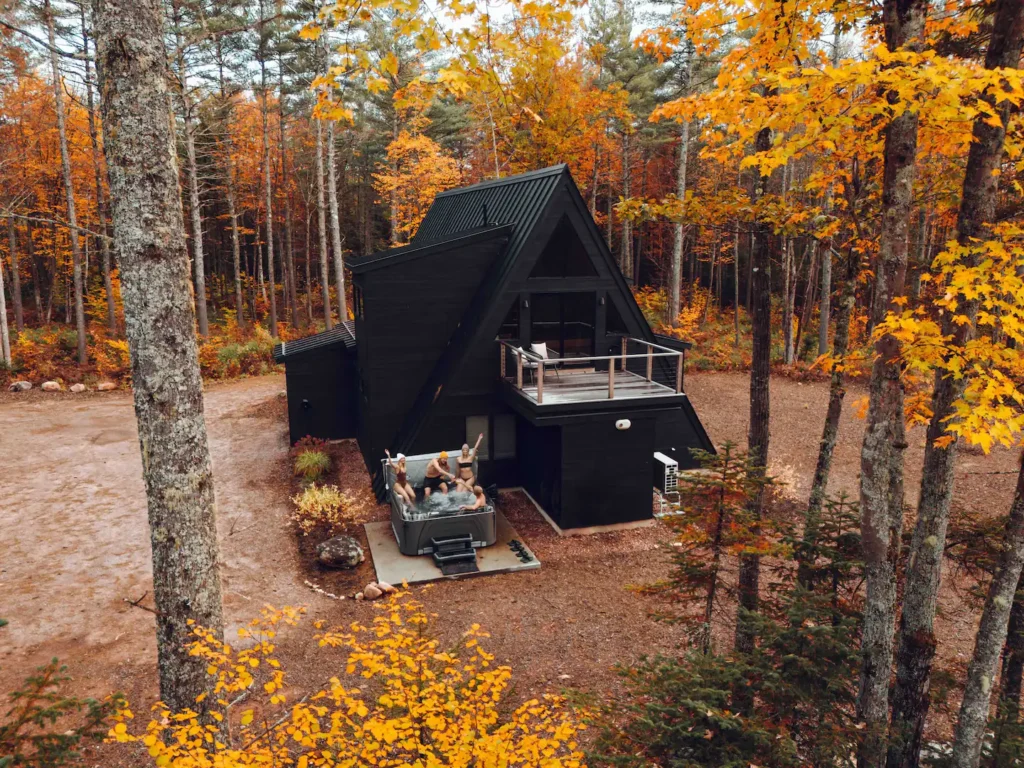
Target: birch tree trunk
{"type": "Point", "coordinates": [5, 334]}
{"type": "Point", "coordinates": [267, 187]}
{"type": "Point", "coordinates": [974, 709]}
{"type": "Point", "coordinates": [626, 246]}
{"type": "Point", "coordinates": [12, 240]}
{"type": "Point", "coordinates": [679, 233]}
{"type": "Point", "coordinates": [160, 326]}
{"type": "Point", "coordinates": [757, 434]}
{"type": "Point", "coordinates": [192, 172]}
{"type": "Point", "coordinates": [288, 252]}
{"type": "Point", "coordinates": [101, 202]}
{"type": "Point", "coordinates": [322, 222]}
{"type": "Point", "coordinates": [916, 648]}
{"type": "Point", "coordinates": [881, 486]}
{"type": "Point", "coordinates": [69, 192]}
{"type": "Point", "coordinates": [332, 193]}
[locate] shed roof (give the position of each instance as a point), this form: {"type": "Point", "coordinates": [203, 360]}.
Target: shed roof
{"type": "Point", "coordinates": [343, 334]}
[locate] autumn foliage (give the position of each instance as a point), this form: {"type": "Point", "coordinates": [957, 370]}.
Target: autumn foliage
{"type": "Point", "coordinates": [394, 697]}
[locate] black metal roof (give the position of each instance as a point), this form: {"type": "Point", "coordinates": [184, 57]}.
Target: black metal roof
{"type": "Point", "coordinates": [344, 334]}
{"type": "Point", "coordinates": [419, 248]}
{"type": "Point", "coordinates": [517, 200]}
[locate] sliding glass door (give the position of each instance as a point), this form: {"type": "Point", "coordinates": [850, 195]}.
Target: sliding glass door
{"type": "Point", "coordinates": [564, 321]}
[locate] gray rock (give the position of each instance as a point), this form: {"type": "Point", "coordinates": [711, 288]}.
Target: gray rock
{"type": "Point", "coordinates": [51, 386]}
{"type": "Point", "coordinates": [106, 386]}
{"type": "Point", "coordinates": [20, 386]}
{"type": "Point", "coordinates": [371, 592]}
{"type": "Point", "coordinates": [340, 552]}
{"type": "Point", "coordinates": [76, 388]}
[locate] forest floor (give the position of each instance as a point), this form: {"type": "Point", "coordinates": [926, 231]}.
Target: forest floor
{"type": "Point", "coordinates": [75, 542]}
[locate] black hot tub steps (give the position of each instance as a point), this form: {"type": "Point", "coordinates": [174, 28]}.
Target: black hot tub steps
{"type": "Point", "coordinates": [455, 555]}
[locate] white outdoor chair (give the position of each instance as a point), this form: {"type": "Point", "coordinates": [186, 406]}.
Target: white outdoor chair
{"type": "Point", "coordinates": [552, 361]}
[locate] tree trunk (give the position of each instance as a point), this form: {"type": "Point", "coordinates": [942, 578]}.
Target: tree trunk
{"type": "Point", "coordinates": [101, 203]}
{"type": "Point", "coordinates": [229, 189]}
{"type": "Point", "coordinates": [37, 272]}
{"type": "Point", "coordinates": [309, 278]}
{"type": "Point", "coordinates": [69, 193]}
{"type": "Point", "coordinates": [268, 193]}
{"type": "Point", "coordinates": [198, 263]}
{"type": "Point", "coordinates": [679, 230]}
{"type": "Point", "coordinates": [808, 299]}
{"type": "Point", "coordinates": [881, 486]}
{"type": "Point", "coordinates": [736, 285]}
{"type": "Point", "coordinates": [825, 304]}
{"type": "Point", "coordinates": [5, 334]}
{"type": "Point", "coordinates": [322, 222]}
{"type": "Point", "coordinates": [160, 326]}
{"type": "Point", "coordinates": [626, 246]}
{"type": "Point", "coordinates": [332, 196]}
{"type": "Point", "coordinates": [1011, 675]}
{"type": "Point", "coordinates": [995, 617]}
{"type": "Point", "coordinates": [757, 435]}
{"type": "Point", "coordinates": [830, 434]}
{"type": "Point", "coordinates": [12, 239]}
{"type": "Point", "coordinates": [916, 649]}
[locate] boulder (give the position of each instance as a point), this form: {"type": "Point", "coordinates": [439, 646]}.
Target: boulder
{"type": "Point", "coordinates": [106, 386]}
{"type": "Point", "coordinates": [386, 588]}
{"type": "Point", "coordinates": [51, 386]}
{"type": "Point", "coordinates": [20, 386]}
{"type": "Point", "coordinates": [340, 552]}
{"type": "Point", "coordinates": [371, 591]}
{"type": "Point", "coordinates": [76, 388]}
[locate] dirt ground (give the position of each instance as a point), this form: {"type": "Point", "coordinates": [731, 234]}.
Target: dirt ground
{"type": "Point", "coordinates": [74, 541]}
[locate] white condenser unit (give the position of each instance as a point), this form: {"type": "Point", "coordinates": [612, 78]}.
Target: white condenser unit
{"type": "Point", "coordinates": [666, 473]}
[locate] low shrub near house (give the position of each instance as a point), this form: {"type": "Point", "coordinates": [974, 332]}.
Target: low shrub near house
{"type": "Point", "coordinates": [323, 506]}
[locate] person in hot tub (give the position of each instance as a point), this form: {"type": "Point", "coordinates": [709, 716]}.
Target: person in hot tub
{"type": "Point", "coordinates": [402, 486]}
{"type": "Point", "coordinates": [436, 474]}
{"type": "Point", "coordinates": [466, 479]}
{"type": "Point", "coordinates": [479, 500]}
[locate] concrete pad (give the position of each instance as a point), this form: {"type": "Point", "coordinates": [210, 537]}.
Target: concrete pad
{"type": "Point", "coordinates": [393, 567]}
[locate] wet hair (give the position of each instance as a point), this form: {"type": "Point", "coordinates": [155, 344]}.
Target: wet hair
{"type": "Point", "coordinates": [477, 489]}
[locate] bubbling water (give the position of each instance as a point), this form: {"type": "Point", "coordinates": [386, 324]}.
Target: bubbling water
{"type": "Point", "coordinates": [439, 504]}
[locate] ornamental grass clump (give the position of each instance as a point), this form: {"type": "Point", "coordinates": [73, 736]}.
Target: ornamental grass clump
{"type": "Point", "coordinates": [312, 465]}
{"type": "Point", "coordinates": [323, 505]}
{"type": "Point", "coordinates": [402, 698]}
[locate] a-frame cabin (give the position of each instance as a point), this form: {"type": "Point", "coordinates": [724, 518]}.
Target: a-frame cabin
{"type": "Point", "coordinates": [443, 332]}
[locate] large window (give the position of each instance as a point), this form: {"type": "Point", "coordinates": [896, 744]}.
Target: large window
{"type": "Point", "coordinates": [564, 321]}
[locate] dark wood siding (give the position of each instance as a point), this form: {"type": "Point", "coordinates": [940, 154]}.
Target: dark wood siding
{"type": "Point", "coordinates": [410, 312]}
{"type": "Point", "coordinates": [540, 465]}
{"type": "Point", "coordinates": [606, 472]}
{"type": "Point", "coordinates": [677, 432]}
{"type": "Point", "coordinates": [322, 394]}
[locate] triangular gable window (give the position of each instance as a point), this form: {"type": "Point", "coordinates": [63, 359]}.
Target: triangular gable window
{"type": "Point", "coordinates": [564, 255]}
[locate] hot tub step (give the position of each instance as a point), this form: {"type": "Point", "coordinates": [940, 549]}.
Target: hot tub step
{"type": "Point", "coordinates": [455, 554]}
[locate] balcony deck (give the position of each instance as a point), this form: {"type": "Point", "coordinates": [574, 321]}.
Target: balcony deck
{"type": "Point", "coordinates": [641, 371]}
{"type": "Point", "coordinates": [569, 386]}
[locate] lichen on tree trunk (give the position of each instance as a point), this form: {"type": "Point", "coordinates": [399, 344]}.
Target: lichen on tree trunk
{"type": "Point", "coordinates": [150, 247]}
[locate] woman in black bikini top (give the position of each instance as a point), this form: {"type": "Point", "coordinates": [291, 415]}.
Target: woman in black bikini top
{"type": "Point", "coordinates": [467, 479]}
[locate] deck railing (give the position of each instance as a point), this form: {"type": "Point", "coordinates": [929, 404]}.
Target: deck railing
{"type": "Point", "coordinates": [514, 360]}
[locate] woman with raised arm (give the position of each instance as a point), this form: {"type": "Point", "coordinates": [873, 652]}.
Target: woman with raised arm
{"type": "Point", "coordinates": [402, 486]}
{"type": "Point", "coordinates": [467, 479]}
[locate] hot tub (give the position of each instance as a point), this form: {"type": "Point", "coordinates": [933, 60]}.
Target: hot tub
{"type": "Point", "coordinates": [436, 517]}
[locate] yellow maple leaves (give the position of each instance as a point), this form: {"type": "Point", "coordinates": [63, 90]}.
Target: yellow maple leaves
{"type": "Point", "coordinates": [409, 703]}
